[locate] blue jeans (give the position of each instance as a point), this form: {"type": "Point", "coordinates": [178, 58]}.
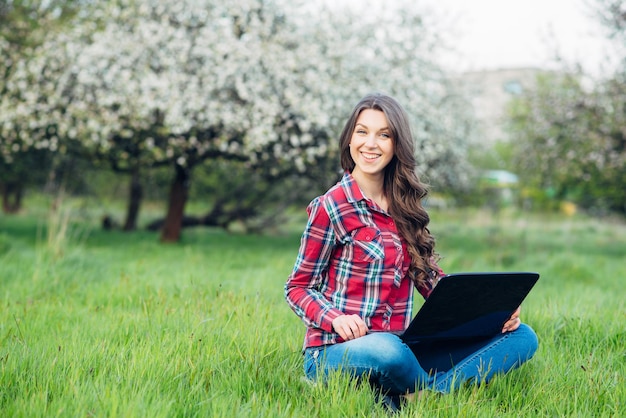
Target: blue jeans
{"type": "Point", "coordinates": [395, 368]}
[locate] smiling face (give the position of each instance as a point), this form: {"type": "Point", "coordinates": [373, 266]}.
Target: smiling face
{"type": "Point", "coordinates": [371, 144]}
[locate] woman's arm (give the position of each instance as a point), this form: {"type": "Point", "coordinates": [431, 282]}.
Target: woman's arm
{"type": "Point", "coordinates": [302, 290]}
{"type": "Point", "coordinates": [426, 288]}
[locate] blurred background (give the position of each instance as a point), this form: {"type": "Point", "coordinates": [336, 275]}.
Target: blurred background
{"type": "Point", "coordinates": [175, 113]}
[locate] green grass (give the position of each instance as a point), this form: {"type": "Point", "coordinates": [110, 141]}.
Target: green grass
{"type": "Point", "coordinates": [114, 324]}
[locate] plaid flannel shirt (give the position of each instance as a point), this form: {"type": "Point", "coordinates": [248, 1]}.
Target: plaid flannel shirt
{"type": "Point", "coordinates": [352, 260]}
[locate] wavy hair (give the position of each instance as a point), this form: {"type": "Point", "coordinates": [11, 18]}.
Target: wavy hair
{"type": "Point", "coordinates": [402, 187]}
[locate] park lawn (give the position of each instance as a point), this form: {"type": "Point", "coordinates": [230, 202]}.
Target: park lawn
{"type": "Point", "coordinates": [97, 323]}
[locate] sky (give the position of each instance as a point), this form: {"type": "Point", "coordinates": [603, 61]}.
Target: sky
{"type": "Point", "coordinates": [493, 34]}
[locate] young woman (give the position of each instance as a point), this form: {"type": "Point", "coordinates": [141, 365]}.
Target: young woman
{"type": "Point", "coordinates": [364, 250]}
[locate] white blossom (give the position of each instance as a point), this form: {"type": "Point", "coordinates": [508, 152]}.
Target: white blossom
{"type": "Point", "coordinates": [252, 78]}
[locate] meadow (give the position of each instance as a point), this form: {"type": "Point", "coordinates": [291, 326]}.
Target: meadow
{"type": "Point", "coordinates": [111, 324]}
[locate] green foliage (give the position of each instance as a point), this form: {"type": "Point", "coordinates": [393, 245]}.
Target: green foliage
{"type": "Point", "coordinates": [570, 142]}
{"type": "Point", "coordinates": [496, 157]}
{"type": "Point", "coordinates": [124, 326]}
{"type": "Point", "coordinates": [483, 192]}
{"type": "Point", "coordinates": [30, 167]}
{"type": "Point", "coordinates": [256, 197]}
{"type": "Point", "coordinates": [26, 22]}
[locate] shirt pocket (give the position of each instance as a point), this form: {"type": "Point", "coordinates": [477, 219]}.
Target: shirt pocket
{"type": "Point", "coordinates": [368, 245]}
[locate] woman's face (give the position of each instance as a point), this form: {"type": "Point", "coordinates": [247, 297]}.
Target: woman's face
{"type": "Point", "coordinates": [371, 145]}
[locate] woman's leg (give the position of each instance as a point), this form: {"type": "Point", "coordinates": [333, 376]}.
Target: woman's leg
{"type": "Point", "coordinates": [454, 363]}
{"type": "Point", "coordinates": [381, 358]}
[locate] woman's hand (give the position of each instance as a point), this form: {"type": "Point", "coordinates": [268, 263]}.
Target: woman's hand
{"type": "Point", "coordinates": [349, 327]}
{"type": "Point", "coordinates": [513, 323]}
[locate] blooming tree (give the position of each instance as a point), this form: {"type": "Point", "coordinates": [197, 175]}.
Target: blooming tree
{"type": "Point", "coordinates": [24, 24]}
{"type": "Point", "coordinates": [264, 82]}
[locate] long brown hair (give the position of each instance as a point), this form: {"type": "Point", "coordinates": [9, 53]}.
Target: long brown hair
{"type": "Point", "coordinates": [402, 187]}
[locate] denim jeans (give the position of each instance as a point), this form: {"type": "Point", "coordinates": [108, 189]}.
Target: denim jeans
{"type": "Point", "coordinates": [395, 368]}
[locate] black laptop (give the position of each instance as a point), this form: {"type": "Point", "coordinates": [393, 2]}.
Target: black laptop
{"type": "Point", "coordinates": [469, 305]}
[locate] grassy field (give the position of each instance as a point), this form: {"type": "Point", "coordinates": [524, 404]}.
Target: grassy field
{"type": "Point", "coordinates": [117, 325]}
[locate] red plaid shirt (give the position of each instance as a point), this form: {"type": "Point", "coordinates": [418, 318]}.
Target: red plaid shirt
{"type": "Point", "coordinates": [352, 260]}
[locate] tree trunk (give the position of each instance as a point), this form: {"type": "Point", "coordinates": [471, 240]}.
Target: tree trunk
{"type": "Point", "coordinates": [134, 202]}
{"type": "Point", "coordinates": [178, 199]}
{"type": "Point", "coordinates": [11, 197]}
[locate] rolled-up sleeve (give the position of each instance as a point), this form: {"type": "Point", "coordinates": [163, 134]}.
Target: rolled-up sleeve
{"type": "Point", "coordinates": [426, 288]}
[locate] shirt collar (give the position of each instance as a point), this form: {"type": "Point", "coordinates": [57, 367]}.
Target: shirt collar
{"type": "Point", "coordinates": [351, 188]}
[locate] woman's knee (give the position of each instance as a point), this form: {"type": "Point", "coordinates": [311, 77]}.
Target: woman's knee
{"type": "Point", "coordinates": [376, 350]}
{"type": "Point", "coordinates": [526, 340]}
{"type": "Point", "coordinates": [391, 364]}
{"type": "Point", "coordinates": [388, 350]}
